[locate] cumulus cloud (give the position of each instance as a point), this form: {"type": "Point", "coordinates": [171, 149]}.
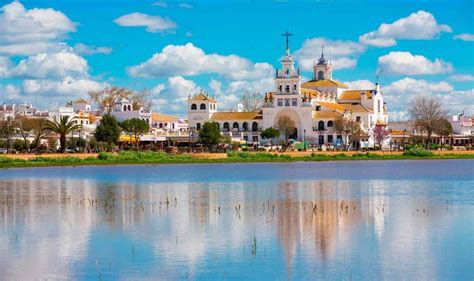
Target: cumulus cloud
{"type": "Point", "coordinates": [26, 32]}
{"type": "Point", "coordinates": [5, 65]}
{"type": "Point", "coordinates": [344, 53]}
{"type": "Point", "coordinates": [188, 60]}
{"type": "Point", "coordinates": [399, 93]}
{"type": "Point", "coordinates": [50, 66]}
{"type": "Point", "coordinates": [420, 25]}
{"type": "Point", "coordinates": [87, 50]}
{"type": "Point", "coordinates": [9, 92]}
{"type": "Point", "coordinates": [171, 97]}
{"type": "Point", "coordinates": [462, 77]}
{"type": "Point", "coordinates": [64, 89]}
{"type": "Point", "coordinates": [464, 37]}
{"type": "Point", "coordinates": [154, 24]}
{"type": "Point", "coordinates": [160, 4]}
{"type": "Point", "coordinates": [408, 64]}
{"type": "Point", "coordinates": [360, 85]}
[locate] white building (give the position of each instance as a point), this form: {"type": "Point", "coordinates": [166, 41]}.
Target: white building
{"type": "Point", "coordinates": [123, 110]}
{"type": "Point", "coordinates": [313, 106]}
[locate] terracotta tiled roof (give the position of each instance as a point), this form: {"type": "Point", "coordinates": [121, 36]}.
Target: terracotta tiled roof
{"type": "Point", "coordinates": [325, 83]}
{"type": "Point", "coordinates": [356, 108]}
{"type": "Point", "coordinates": [81, 101]}
{"type": "Point", "coordinates": [380, 123]}
{"type": "Point", "coordinates": [332, 105]}
{"type": "Point", "coordinates": [202, 97]}
{"type": "Point", "coordinates": [224, 116]}
{"type": "Point", "coordinates": [156, 117]}
{"type": "Point", "coordinates": [355, 94]}
{"type": "Point", "coordinates": [326, 115]}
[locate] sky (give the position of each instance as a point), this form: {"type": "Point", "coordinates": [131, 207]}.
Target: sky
{"type": "Point", "coordinates": [52, 52]}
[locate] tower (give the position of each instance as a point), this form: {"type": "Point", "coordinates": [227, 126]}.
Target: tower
{"type": "Point", "coordinates": [323, 69]}
{"type": "Point", "coordinates": [287, 79]}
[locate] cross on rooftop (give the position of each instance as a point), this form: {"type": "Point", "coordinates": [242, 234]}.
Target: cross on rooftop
{"type": "Point", "coordinates": [287, 35]}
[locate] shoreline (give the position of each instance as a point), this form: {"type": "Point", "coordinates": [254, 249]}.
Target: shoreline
{"type": "Point", "coordinates": [159, 158]}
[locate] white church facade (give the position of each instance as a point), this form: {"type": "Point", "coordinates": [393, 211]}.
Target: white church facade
{"type": "Point", "coordinates": [313, 106]}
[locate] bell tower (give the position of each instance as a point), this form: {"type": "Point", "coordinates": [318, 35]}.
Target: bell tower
{"type": "Point", "coordinates": [287, 79]}
{"type": "Point", "coordinates": [323, 69]}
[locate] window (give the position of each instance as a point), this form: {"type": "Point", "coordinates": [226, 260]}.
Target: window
{"type": "Point", "coordinates": [161, 125]}
{"type": "Point", "coordinates": [172, 126]}
{"type": "Point", "coordinates": [321, 139]}
{"type": "Point", "coordinates": [245, 126]}
{"type": "Point", "coordinates": [226, 127]}
{"type": "Point", "coordinates": [202, 106]}
{"type": "Point", "coordinates": [124, 108]}
{"type": "Point", "coordinates": [254, 126]}
{"type": "Point", "coordinates": [358, 119]}
{"type": "Point", "coordinates": [280, 88]}
{"type": "Point", "coordinates": [235, 125]}
{"type": "Point", "coordinates": [129, 107]}
{"type": "Point", "coordinates": [294, 102]}
{"type": "Point", "coordinates": [287, 102]}
{"type": "Point", "coordinates": [194, 106]}
{"type": "Point", "coordinates": [280, 102]}
{"type": "Point", "coordinates": [321, 125]}
{"type": "Point", "coordinates": [294, 87]}
{"type": "Point", "coordinates": [330, 124]}
{"type": "Point", "coordinates": [287, 88]}
{"type": "Point", "coordinates": [318, 108]}
{"type": "Point", "coordinates": [378, 106]}
{"type": "Point", "coordinates": [330, 139]}
{"type": "Point", "coordinates": [198, 126]}
{"type": "Point", "coordinates": [320, 75]}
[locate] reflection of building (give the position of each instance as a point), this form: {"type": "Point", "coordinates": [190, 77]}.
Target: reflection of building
{"type": "Point", "coordinates": [312, 106]}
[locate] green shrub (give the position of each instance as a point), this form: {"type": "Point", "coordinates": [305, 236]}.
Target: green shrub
{"type": "Point", "coordinates": [103, 156]}
{"type": "Point", "coordinates": [418, 152]}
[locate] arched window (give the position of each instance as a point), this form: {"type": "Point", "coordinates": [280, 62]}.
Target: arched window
{"type": "Point", "coordinates": [254, 126]}
{"type": "Point", "coordinates": [202, 106]}
{"type": "Point", "coordinates": [226, 127]}
{"type": "Point", "coordinates": [287, 88]}
{"type": "Point", "coordinates": [330, 124]}
{"type": "Point", "coordinates": [245, 126]}
{"type": "Point", "coordinates": [280, 88]}
{"type": "Point", "coordinates": [320, 75]}
{"type": "Point", "coordinates": [194, 106]}
{"type": "Point", "coordinates": [321, 125]}
{"type": "Point", "coordinates": [129, 107]}
{"type": "Point", "coordinates": [124, 108]}
{"type": "Point", "coordinates": [235, 125]}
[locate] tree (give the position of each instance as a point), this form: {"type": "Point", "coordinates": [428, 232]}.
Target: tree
{"type": "Point", "coordinates": [105, 99]}
{"type": "Point", "coordinates": [380, 134]}
{"type": "Point", "coordinates": [7, 130]}
{"type": "Point", "coordinates": [270, 133]}
{"type": "Point", "coordinates": [135, 127]}
{"type": "Point", "coordinates": [27, 126]}
{"type": "Point", "coordinates": [426, 113]}
{"type": "Point", "coordinates": [443, 129]}
{"type": "Point", "coordinates": [209, 134]}
{"type": "Point", "coordinates": [37, 129]}
{"type": "Point", "coordinates": [63, 127]}
{"type": "Point", "coordinates": [286, 126]}
{"type": "Point", "coordinates": [349, 127]}
{"type": "Point", "coordinates": [251, 101]}
{"type": "Point", "coordinates": [108, 130]}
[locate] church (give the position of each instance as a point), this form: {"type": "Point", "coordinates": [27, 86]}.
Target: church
{"type": "Point", "coordinates": [313, 106]}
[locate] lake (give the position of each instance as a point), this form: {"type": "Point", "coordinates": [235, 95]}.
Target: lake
{"type": "Point", "coordinates": [372, 220]}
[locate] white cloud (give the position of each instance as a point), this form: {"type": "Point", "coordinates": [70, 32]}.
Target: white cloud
{"type": "Point", "coordinates": [360, 85]}
{"type": "Point", "coordinates": [420, 25]}
{"type": "Point", "coordinates": [408, 64]}
{"type": "Point", "coordinates": [154, 24]}
{"type": "Point", "coordinates": [65, 89]}
{"type": "Point", "coordinates": [9, 92]}
{"type": "Point", "coordinates": [160, 4]}
{"type": "Point", "coordinates": [399, 93]}
{"type": "Point", "coordinates": [50, 66]}
{"type": "Point", "coordinates": [185, 5]}
{"type": "Point", "coordinates": [464, 37]}
{"type": "Point", "coordinates": [91, 50]}
{"type": "Point", "coordinates": [344, 53]}
{"type": "Point", "coordinates": [188, 60]}
{"type": "Point", "coordinates": [5, 65]}
{"type": "Point", "coordinates": [171, 97]}
{"type": "Point", "coordinates": [459, 101]}
{"type": "Point", "coordinates": [26, 32]}
{"type": "Point", "coordinates": [462, 77]}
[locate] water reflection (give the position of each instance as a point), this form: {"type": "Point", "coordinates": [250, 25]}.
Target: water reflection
{"type": "Point", "coordinates": [61, 228]}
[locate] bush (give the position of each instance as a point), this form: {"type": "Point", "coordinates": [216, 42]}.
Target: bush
{"type": "Point", "coordinates": [435, 146]}
{"type": "Point", "coordinates": [418, 151]}
{"type": "Point", "coordinates": [103, 156]}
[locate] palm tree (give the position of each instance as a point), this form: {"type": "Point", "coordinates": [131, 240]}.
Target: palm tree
{"type": "Point", "coordinates": [63, 128]}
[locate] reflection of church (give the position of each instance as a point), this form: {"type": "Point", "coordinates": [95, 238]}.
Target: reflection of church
{"type": "Point", "coordinates": [313, 106]}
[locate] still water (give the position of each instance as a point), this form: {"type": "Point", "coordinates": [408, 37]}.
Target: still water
{"type": "Point", "coordinates": [376, 220]}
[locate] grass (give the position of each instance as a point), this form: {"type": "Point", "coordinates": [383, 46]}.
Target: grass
{"type": "Point", "coordinates": [143, 157]}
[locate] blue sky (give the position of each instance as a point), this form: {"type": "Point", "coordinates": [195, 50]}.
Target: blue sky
{"type": "Point", "coordinates": [55, 51]}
